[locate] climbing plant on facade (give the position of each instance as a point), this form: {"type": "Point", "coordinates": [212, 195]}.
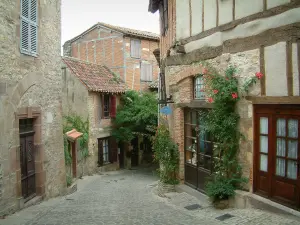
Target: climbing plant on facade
{"type": "Point", "coordinates": [166, 154]}
{"type": "Point", "coordinates": [224, 92]}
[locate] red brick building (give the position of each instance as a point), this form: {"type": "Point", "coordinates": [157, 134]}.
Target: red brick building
{"type": "Point", "coordinates": [127, 52]}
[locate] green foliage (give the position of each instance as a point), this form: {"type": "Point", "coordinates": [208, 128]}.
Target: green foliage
{"type": "Point", "coordinates": [166, 153]}
{"type": "Point", "coordinates": [76, 122]}
{"type": "Point", "coordinates": [136, 115]}
{"type": "Point", "coordinates": [220, 189]}
{"type": "Point", "coordinates": [222, 122]}
{"type": "Point", "coordinates": [69, 180]}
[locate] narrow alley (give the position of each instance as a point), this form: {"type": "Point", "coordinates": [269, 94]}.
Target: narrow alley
{"type": "Point", "coordinates": [129, 197]}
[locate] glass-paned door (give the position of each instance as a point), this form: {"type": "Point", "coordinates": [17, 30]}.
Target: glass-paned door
{"type": "Point", "coordinates": [287, 147]}
{"type": "Point", "coordinates": [277, 153]}
{"type": "Point", "coordinates": [198, 150]}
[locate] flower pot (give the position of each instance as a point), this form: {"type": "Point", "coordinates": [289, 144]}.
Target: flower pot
{"type": "Point", "coordinates": [221, 204]}
{"type": "Point", "coordinates": [165, 188]}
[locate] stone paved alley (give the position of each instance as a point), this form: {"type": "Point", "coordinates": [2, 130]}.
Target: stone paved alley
{"type": "Point", "coordinates": [128, 197]}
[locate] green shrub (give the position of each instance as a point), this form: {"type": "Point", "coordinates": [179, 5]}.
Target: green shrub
{"type": "Point", "coordinates": [69, 180]}
{"type": "Point", "coordinates": [167, 155]}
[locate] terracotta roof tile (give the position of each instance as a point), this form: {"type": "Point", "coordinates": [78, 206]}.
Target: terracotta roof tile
{"type": "Point", "coordinates": [124, 30]}
{"type": "Point", "coordinates": [95, 77]}
{"type": "Point", "coordinates": [130, 31]}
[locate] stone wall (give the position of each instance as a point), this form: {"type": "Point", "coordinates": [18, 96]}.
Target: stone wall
{"type": "Point", "coordinates": [32, 84]}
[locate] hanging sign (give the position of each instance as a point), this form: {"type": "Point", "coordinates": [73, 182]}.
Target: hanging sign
{"type": "Point", "coordinates": [166, 110]}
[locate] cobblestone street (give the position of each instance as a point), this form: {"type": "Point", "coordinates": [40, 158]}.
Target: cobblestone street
{"type": "Point", "coordinates": [128, 197]}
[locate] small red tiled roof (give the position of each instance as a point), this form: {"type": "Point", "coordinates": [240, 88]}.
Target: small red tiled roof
{"type": "Point", "coordinates": [95, 77]}
{"type": "Point", "coordinates": [73, 134]}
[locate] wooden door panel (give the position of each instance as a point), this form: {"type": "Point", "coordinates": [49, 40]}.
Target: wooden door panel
{"type": "Point", "coordinates": [281, 181]}
{"type": "Point", "coordinates": [190, 174]}
{"type": "Point", "coordinates": [285, 190]}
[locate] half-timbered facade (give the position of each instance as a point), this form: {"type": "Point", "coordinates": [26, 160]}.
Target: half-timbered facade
{"type": "Point", "coordinates": [263, 37]}
{"type": "Point", "coordinates": [127, 52]}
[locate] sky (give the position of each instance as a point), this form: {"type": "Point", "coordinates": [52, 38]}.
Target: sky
{"type": "Point", "coordinates": [79, 15]}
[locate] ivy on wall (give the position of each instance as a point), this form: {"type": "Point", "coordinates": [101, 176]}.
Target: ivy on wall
{"type": "Point", "coordinates": [78, 123]}
{"type": "Point", "coordinates": [222, 122]}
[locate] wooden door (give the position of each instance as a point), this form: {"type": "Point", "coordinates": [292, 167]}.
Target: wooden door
{"type": "Point", "coordinates": [277, 153]}
{"type": "Point", "coordinates": [27, 166]}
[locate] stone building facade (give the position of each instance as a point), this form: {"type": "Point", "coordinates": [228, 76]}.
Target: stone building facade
{"type": "Point", "coordinates": [127, 52]}
{"type": "Point", "coordinates": [32, 161]}
{"type": "Point", "coordinates": [93, 92]}
{"type": "Point", "coordinates": [261, 38]}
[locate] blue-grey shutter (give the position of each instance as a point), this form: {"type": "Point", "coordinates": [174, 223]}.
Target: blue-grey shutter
{"type": "Point", "coordinates": [29, 28]}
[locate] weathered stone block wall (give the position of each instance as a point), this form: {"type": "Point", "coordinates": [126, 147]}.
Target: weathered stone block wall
{"type": "Point", "coordinates": [74, 95]}
{"type": "Point", "coordinates": [31, 82]}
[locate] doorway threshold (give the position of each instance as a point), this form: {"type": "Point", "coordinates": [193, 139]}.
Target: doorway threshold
{"type": "Point", "coordinates": [193, 192]}
{"type": "Point", "coordinates": [245, 199]}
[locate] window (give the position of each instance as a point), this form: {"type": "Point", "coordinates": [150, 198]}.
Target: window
{"type": "Point", "coordinates": [199, 88]}
{"type": "Point", "coordinates": [109, 106]}
{"type": "Point", "coordinates": [105, 146]}
{"type": "Point", "coordinates": [107, 150]}
{"type": "Point", "coordinates": [163, 12]}
{"type": "Point", "coordinates": [29, 27]}
{"type": "Point", "coordinates": [146, 71]}
{"type": "Point", "coordinates": [135, 48]}
{"type": "Point", "coordinates": [106, 106]}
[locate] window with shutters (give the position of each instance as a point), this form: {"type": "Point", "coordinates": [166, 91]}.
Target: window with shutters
{"type": "Point", "coordinates": [135, 48]}
{"type": "Point", "coordinates": [29, 27]}
{"type": "Point", "coordinates": [108, 106]}
{"type": "Point", "coordinates": [163, 13]}
{"type": "Point", "coordinates": [146, 71]}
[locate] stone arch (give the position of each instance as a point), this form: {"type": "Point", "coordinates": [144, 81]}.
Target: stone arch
{"type": "Point", "coordinates": [23, 85]}
{"type": "Point", "coordinates": [185, 73]}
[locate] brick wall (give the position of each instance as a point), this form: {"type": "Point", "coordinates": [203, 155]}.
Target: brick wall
{"type": "Point", "coordinates": [103, 46]}
{"type": "Point", "coordinates": [166, 41]}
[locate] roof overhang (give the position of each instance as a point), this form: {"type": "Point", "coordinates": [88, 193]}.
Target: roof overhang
{"type": "Point", "coordinates": [153, 5]}
{"type": "Point", "coordinates": [73, 135]}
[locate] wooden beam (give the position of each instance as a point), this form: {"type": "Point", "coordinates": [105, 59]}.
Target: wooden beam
{"type": "Point", "coordinates": [274, 100]}
{"type": "Point", "coordinates": [195, 104]}
{"type": "Point", "coordinates": [262, 70]}
{"type": "Point", "coordinates": [289, 68]}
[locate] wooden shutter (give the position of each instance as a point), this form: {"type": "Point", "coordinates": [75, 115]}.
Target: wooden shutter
{"type": "Point", "coordinates": [113, 150]}
{"type": "Point", "coordinates": [102, 106]}
{"type": "Point", "coordinates": [161, 18]}
{"type": "Point", "coordinates": [100, 152]}
{"type": "Point", "coordinates": [113, 106]}
{"type": "Point", "coordinates": [135, 48]}
{"type": "Point", "coordinates": [146, 72]}
{"type": "Point", "coordinates": [165, 15]}
{"type": "Point", "coordinates": [29, 27]}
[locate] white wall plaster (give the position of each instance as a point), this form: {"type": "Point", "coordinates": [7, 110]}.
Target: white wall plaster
{"type": "Point", "coordinates": [295, 70]}
{"type": "Point", "coordinates": [225, 11]}
{"type": "Point", "coordinates": [245, 8]}
{"type": "Point", "coordinates": [275, 67]}
{"type": "Point", "coordinates": [274, 3]}
{"type": "Point", "coordinates": [196, 6]}
{"type": "Point", "coordinates": [246, 30]}
{"type": "Point", "coordinates": [182, 25]}
{"type": "Point", "coordinates": [210, 14]}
